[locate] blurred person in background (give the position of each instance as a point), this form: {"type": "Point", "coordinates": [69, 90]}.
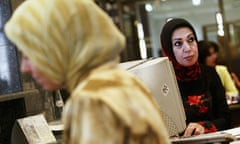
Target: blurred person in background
{"type": "Point", "coordinates": [208, 55]}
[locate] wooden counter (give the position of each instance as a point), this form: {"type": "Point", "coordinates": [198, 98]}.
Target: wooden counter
{"type": "Point", "coordinates": [235, 112]}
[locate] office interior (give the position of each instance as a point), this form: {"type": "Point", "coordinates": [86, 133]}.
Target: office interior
{"type": "Point", "coordinates": [141, 22]}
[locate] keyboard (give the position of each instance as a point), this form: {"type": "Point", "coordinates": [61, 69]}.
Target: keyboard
{"type": "Point", "coordinates": [217, 137]}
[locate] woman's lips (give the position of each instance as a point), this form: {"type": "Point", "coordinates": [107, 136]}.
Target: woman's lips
{"type": "Point", "coordinates": [188, 58]}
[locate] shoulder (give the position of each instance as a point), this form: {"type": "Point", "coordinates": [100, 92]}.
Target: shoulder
{"type": "Point", "coordinates": [212, 77]}
{"type": "Point", "coordinates": [109, 86]}
{"type": "Point", "coordinates": [207, 69]}
{"type": "Point", "coordinates": [209, 73]}
{"type": "Point", "coordinates": [113, 80]}
{"type": "Point", "coordinates": [111, 75]}
{"type": "Point", "coordinates": [220, 68]}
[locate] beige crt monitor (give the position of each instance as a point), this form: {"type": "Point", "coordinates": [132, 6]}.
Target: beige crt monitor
{"type": "Point", "coordinates": [158, 75]}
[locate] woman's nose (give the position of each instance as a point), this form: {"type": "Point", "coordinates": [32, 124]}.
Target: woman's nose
{"type": "Point", "coordinates": [186, 47]}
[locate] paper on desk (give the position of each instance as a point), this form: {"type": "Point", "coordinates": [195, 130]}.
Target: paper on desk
{"type": "Point", "coordinates": [36, 129]}
{"type": "Point", "coordinates": [57, 126]}
{"type": "Point", "coordinates": [234, 131]}
{"type": "Point", "coordinates": [235, 142]}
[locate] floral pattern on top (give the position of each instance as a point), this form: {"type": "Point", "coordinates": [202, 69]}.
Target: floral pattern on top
{"type": "Point", "coordinates": [200, 104]}
{"type": "Point", "coordinates": [209, 127]}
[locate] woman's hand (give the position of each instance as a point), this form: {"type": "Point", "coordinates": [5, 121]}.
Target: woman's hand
{"type": "Point", "coordinates": [194, 129]}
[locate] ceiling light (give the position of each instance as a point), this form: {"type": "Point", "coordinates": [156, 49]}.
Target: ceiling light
{"type": "Point", "coordinates": [196, 2]}
{"type": "Point", "coordinates": [148, 7]}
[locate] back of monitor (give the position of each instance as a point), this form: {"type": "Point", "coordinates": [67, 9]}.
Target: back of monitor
{"type": "Point", "coordinates": [158, 75]}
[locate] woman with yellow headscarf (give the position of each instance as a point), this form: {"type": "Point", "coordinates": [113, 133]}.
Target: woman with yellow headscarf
{"type": "Point", "coordinates": [73, 44]}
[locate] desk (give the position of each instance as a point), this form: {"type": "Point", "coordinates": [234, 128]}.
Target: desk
{"type": "Point", "coordinates": [235, 112]}
{"type": "Point", "coordinates": [57, 128]}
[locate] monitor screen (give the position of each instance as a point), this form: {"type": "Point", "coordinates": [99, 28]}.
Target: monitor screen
{"type": "Point", "coordinates": [9, 71]}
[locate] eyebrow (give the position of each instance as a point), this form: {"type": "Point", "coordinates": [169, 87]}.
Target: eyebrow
{"type": "Point", "coordinates": [189, 35]}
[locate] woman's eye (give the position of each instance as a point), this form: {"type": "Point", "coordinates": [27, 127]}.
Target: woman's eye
{"type": "Point", "coordinates": [192, 39]}
{"type": "Point", "coordinates": [177, 43]}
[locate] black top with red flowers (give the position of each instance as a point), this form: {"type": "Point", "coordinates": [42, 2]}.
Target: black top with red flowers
{"type": "Point", "coordinates": [205, 102]}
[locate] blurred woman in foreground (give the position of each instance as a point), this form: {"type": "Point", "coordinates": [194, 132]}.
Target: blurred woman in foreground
{"type": "Point", "coordinates": [73, 44]}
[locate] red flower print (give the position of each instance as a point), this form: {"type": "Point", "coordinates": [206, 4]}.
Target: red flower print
{"type": "Point", "coordinates": [203, 109]}
{"type": "Point", "coordinates": [211, 129]}
{"type": "Point", "coordinates": [194, 100]}
{"type": "Point", "coordinates": [208, 127]}
{"type": "Point", "coordinates": [201, 123]}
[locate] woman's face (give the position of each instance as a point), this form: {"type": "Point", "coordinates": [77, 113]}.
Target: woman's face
{"type": "Point", "coordinates": [28, 67]}
{"type": "Point", "coordinates": [211, 60]}
{"type": "Point", "coordinates": [185, 46]}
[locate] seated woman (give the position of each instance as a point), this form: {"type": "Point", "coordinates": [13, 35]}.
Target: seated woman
{"type": "Point", "coordinates": [201, 89]}
{"type": "Point", "coordinates": [208, 55]}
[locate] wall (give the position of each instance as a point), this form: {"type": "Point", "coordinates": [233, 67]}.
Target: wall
{"type": "Point", "coordinates": [199, 16]}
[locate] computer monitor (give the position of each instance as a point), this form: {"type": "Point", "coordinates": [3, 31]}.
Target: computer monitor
{"type": "Point", "coordinates": [158, 75]}
{"type": "Point", "coordinates": [10, 76]}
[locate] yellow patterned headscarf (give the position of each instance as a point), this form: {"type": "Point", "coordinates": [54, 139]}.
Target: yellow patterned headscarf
{"type": "Point", "coordinates": [65, 39]}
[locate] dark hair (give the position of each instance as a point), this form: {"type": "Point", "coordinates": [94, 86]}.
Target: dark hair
{"type": "Point", "coordinates": [167, 31]}
{"type": "Point", "coordinates": [203, 49]}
